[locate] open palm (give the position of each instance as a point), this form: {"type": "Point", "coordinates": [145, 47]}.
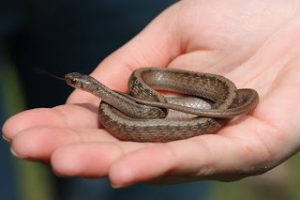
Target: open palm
{"type": "Point", "coordinates": [255, 44]}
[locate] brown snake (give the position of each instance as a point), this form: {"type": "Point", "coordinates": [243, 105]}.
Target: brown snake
{"type": "Point", "coordinates": [141, 115]}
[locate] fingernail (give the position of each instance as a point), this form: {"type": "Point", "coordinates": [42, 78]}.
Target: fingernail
{"type": "Point", "coordinates": [5, 138]}
{"type": "Point", "coordinates": [14, 153]}
{"type": "Point", "coordinates": [115, 186]}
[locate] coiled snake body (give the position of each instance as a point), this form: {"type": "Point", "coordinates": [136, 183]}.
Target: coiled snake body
{"type": "Point", "coordinates": [141, 115]}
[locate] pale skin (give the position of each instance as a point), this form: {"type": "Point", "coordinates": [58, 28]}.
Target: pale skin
{"type": "Point", "coordinates": [254, 43]}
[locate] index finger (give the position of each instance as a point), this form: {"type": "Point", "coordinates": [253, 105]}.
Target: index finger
{"type": "Point", "coordinates": [72, 116]}
{"type": "Point", "coordinates": [155, 46]}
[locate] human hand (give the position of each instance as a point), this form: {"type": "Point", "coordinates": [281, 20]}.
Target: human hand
{"type": "Point", "coordinates": [253, 43]}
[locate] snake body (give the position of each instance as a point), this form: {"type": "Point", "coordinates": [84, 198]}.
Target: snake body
{"type": "Point", "coordinates": [141, 115]}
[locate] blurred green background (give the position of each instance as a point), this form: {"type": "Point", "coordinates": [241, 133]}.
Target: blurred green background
{"type": "Point", "coordinates": [34, 183]}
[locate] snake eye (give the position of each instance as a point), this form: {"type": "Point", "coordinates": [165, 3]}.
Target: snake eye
{"type": "Point", "coordinates": [73, 81]}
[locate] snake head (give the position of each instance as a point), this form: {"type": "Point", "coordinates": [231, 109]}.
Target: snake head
{"type": "Point", "coordinates": [77, 80]}
{"type": "Point", "coordinates": [86, 83]}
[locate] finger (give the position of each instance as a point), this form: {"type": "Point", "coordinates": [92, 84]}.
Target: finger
{"type": "Point", "coordinates": [39, 143]}
{"type": "Point", "coordinates": [72, 116]}
{"type": "Point", "coordinates": [90, 159]}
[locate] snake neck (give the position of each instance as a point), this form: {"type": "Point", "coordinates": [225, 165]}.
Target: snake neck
{"type": "Point", "coordinates": [122, 102]}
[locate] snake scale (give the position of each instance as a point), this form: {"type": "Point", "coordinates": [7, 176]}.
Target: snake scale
{"type": "Point", "coordinates": [142, 115]}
